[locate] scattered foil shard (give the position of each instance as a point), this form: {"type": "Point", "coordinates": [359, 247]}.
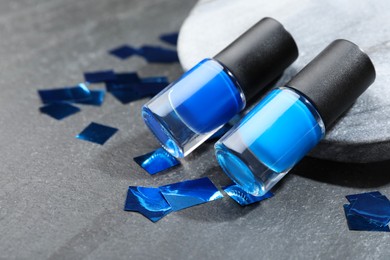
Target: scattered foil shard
{"type": "Point", "coordinates": [147, 201]}
{"type": "Point", "coordinates": [150, 53]}
{"type": "Point", "coordinates": [123, 52]}
{"type": "Point", "coordinates": [59, 110]}
{"type": "Point", "coordinates": [123, 81]}
{"type": "Point", "coordinates": [158, 54]}
{"type": "Point", "coordinates": [96, 98]}
{"type": "Point", "coordinates": [152, 86]}
{"type": "Point", "coordinates": [67, 94]}
{"type": "Point", "coordinates": [356, 222]}
{"type": "Point", "coordinates": [186, 194]}
{"type": "Point", "coordinates": [156, 161]}
{"type": "Point", "coordinates": [97, 133]}
{"type": "Point", "coordinates": [99, 76]}
{"type": "Point", "coordinates": [155, 203]}
{"type": "Point", "coordinates": [354, 197]}
{"type": "Point", "coordinates": [129, 87]}
{"type": "Point", "coordinates": [59, 99]}
{"type": "Point", "coordinates": [170, 38]}
{"type": "Point", "coordinates": [368, 211]}
{"type": "Point", "coordinates": [243, 198]}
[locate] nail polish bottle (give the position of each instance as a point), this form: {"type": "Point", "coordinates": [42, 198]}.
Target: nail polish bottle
{"type": "Point", "coordinates": [289, 121]}
{"type": "Point", "coordinates": [188, 111]}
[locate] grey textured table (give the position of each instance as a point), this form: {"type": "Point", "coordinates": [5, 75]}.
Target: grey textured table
{"type": "Point", "coordinates": [62, 198]}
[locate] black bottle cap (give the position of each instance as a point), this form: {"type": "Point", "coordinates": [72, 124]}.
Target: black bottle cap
{"type": "Point", "coordinates": [259, 55]}
{"type": "Point", "coordinates": [334, 79]}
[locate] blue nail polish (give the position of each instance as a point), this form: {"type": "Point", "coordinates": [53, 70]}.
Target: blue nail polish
{"type": "Point", "coordinates": [289, 121]}
{"type": "Point", "coordinates": [219, 87]}
{"type": "Point", "coordinates": [193, 108]}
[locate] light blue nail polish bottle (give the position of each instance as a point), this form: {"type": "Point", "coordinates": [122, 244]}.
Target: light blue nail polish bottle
{"type": "Point", "coordinates": [289, 121]}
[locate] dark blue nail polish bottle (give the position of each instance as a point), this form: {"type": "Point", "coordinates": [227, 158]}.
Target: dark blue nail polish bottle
{"type": "Point", "coordinates": [289, 121]}
{"type": "Point", "coordinates": [198, 104]}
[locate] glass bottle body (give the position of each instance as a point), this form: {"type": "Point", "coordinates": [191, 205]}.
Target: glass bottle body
{"type": "Point", "coordinates": [275, 135]}
{"type": "Point", "coordinates": [191, 109]}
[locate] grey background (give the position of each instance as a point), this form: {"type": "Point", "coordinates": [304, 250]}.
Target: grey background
{"type": "Point", "coordinates": [62, 198]}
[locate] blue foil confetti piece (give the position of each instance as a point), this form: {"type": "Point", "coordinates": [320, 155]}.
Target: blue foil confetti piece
{"type": "Point", "coordinates": [186, 194]}
{"type": "Point", "coordinates": [150, 53]}
{"type": "Point", "coordinates": [96, 98]}
{"type": "Point", "coordinates": [119, 86]}
{"type": "Point", "coordinates": [99, 76]}
{"type": "Point", "coordinates": [147, 201]}
{"type": "Point", "coordinates": [170, 38]}
{"type": "Point", "coordinates": [123, 52]}
{"type": "Point", "coordinates": [126, 96]}
{"type": "Point", "coordinates": [356, 222]}
{"type": "Point", "coordinates": [155, 80]}
{"type": "Point", "coordinates": [59, 110]}
{"type": "Point", "coordinates": [376, 209]}
{"type": "Point", "coordinates": [127, 78]}
{"type": "Point", "coordinates": [68, 94]}
{"type": "Point", "coordinates": [158, 54]}
{"type": "Point", "coordinates": [243, 198]}
{"type": "Point", "coordinates": [151, 86]}
{"type": "Point", "coordinates": [156, 161]}
{"type": "Point", "coordinates": [97, 133]}
{"type": "Point", "coordinates": [123, 81]}
{"type": "Point", "coordinates": [368, 211]}
{"type": "Point", "coordinates": [354, 197]}
{"type": "Point", "coordinates": [149, 89]}
{"type": "Point", "coordinates": [129, 87]}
